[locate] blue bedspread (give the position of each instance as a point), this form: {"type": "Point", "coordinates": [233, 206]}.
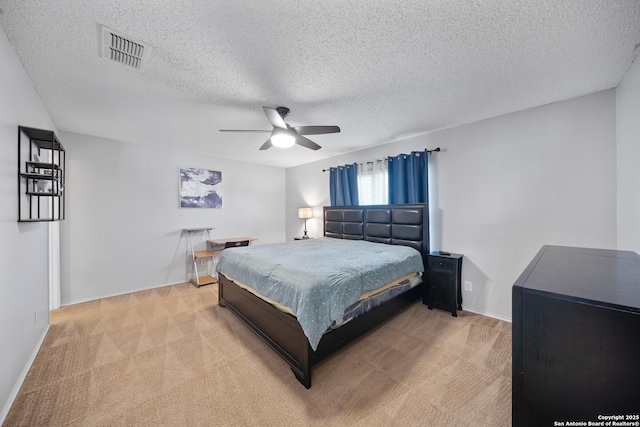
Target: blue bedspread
{"type": "Point", "coordinates": [318, 278]}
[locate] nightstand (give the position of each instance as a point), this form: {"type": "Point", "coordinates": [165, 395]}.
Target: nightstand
{"type": "Point", "coordinates": [443, 290]}
{"type": "Point", "coordinates": [301, 238]}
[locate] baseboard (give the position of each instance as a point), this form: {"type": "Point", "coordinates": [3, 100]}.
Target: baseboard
{"type": "Point", "coordinates": [484, 313]}
{"type": "Point", "coordinates": [21, 378]}
{"type": "Point", "coordinates": [116, 294]}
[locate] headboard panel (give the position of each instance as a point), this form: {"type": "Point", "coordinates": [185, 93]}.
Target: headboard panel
{"type": "Point", "coordinates": [406, 225]}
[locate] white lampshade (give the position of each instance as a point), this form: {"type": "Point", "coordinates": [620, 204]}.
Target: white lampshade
{"type": "Point", "coordinates": [305, 213]}
{"type": "Point", "coordinates": [283, 139]}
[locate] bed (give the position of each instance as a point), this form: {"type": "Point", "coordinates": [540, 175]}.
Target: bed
{"type": "Point", "coordinates": [395, 225]}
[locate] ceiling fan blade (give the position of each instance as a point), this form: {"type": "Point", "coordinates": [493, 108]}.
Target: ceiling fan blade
{"type": "Point", "coordinates": [316, 130]}
{"type": "Point", "coordinates": [305, 142]}
{"type": "Point", "coordinates": [266, 145]}
{"type": "Point", "coordinates": [244, 130]}
{"type": "Point", "coordinates": [274, 117]}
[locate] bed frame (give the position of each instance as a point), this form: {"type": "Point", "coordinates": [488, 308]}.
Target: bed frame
{"type": "Point", "coordinates": [406, 225]}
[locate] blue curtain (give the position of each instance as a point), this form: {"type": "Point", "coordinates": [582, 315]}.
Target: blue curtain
{"type": "Point", "coordinates": [409, 178]}
{"type": "Point", "coordinates": [343, 185]}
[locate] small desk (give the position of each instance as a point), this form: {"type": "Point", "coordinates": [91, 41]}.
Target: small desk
{"type": "Point", "coordinates": [207, 255]}
{"type": "Point", "coordinates": [216, 246]}
{"type": "Point", "coordinates": [218, 243]}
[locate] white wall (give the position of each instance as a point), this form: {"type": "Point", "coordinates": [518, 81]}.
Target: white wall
{"type": "Point", "coordinates": [23, 247]}
{"type": "Point", "coordinates": [628, 127]}
{"type": "Point", "coordinates": [123, 230]}
{"type": "Point", "coordinates": [501, 188]}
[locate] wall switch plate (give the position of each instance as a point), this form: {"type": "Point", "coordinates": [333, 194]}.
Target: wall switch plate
{"type": "Point", "coordinates": [468, 286]}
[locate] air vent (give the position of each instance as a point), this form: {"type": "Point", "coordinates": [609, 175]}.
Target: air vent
{"type": "Point", "coordinates": [123, 49]}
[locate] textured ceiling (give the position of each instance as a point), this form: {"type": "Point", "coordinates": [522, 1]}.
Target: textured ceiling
{"type": "Point", "coordinates": [380, 69]}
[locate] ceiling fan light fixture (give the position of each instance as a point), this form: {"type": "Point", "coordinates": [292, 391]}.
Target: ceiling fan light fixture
{"type": "Point", "coordinates": [283, 140]}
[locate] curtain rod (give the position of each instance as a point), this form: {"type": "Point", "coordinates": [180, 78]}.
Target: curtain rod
{"type": "Point", "coordinates": [435, 150]}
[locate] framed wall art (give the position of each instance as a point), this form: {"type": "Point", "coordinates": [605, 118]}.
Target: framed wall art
{"type": "Point", "coordinates": [200, 188]}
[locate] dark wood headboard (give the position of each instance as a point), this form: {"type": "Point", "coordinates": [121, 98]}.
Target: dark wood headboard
{"type": "Point", "coordinates": [406, 225]}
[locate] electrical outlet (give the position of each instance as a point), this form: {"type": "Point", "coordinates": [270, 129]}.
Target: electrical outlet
{"type": "Point", "coordinates": [468, 286]}
{"type": "Point", "coordinates": [203, 262]}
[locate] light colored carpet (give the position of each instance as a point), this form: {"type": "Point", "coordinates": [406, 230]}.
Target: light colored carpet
{"type": "Point", "coordinates": [172, 357]}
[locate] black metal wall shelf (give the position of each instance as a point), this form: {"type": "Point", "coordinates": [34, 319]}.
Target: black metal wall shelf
{"type": "Point", "coordinates": [41, 176]}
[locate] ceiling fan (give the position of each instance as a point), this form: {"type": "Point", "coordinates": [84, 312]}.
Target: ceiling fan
{"type": "Point", "coordinates": [285, 136]}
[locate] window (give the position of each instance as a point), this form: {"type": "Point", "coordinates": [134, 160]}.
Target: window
{"type": "Point", "coordinates": [373, 183]}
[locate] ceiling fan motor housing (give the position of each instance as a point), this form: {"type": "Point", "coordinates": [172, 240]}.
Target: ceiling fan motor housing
{"type": "Point", "coordinates": [283, 111]}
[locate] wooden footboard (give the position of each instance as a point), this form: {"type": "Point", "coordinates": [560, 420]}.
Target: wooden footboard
{"type": "Point", "coordinates": [283, 333]}
{"type": "Point", "coordinates": [279, 330]}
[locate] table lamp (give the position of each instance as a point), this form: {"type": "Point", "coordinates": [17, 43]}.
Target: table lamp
{"type": "Point", "coordinates": [305, 213]}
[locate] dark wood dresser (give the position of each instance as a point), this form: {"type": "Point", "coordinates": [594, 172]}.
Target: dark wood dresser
{"type": "Point", "coordinates": [576, 337]}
